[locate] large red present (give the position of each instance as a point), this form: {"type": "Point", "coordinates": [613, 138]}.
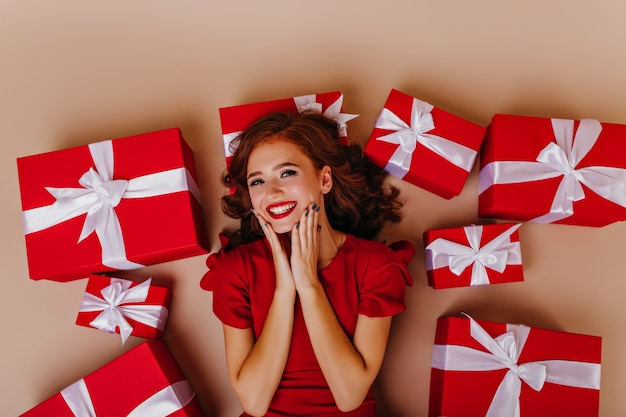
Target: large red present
{"type": "Point", "coordinates": [486, 369]}
{"type": "Point", "coordinates": [111, 205]}
{"type": "Point", "coordinates": [553, 171]}
{"type": "Point", "coordinates": [126, 307]}
{"type": "Point", "coordinates": [424, 145]}
{"type": "Point", "coordinates": [473, 255]}
{"type": "Point", "coordinates": [236, 119]}
{"type": "Point", "coordinates": [145, 381]}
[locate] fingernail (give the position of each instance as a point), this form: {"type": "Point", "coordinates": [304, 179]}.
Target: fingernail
{"type": "Point", "coordinates": [306, 213]}
{"type": "Point", "coordinates": [313, 206]}
{"type": "Point", "coordinates": [297, 225]}
{"type": "Point", "coordinates": [317, 208]}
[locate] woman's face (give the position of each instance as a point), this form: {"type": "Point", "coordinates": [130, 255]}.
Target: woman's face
{"type": "Point", "coordinates": [283, 182]}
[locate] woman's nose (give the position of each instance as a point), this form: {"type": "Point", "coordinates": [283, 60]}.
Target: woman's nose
{"type": "Point", "coordinates": [275, 187]}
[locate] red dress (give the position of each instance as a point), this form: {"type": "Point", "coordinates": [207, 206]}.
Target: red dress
{"type": "Point", "coordinates": [365, 277]}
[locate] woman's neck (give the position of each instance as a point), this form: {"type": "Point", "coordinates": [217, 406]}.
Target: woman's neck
{"type": "Point", "coordinates": [331, 241]}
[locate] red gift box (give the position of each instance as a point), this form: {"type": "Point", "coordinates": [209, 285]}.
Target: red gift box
{"type": "Point", "coordinates": [138, 194]}
{"type": "Point", "coordinates": [236, 119]}
{"type": "Point", "coordinates": [553, 171]}
{"type": "Point", "coordinates": [486, 369]}
{"type": "Point", "coordinates": [145, 381]}
{"type": "Point", "coordinates": [122, 306]}
{"type": "Point", "coordinates": [424, 145]}
{"type": "Point", "coordinates": [473, 255]}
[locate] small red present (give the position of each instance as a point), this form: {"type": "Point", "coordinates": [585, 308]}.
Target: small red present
{"type": "Point", "coordinates": [553, 171]}
{"type": "Point", "coordinates": [424, 145]}
{"type": "Point", "coordinates": [122, 306]}
{"type": "Point", "coordinates": [236, 119]}
{"type": "Point", "coordinates": [145, 381]}
{"type": "Point", "coordinates": [486, 369]}
{"type": "Point", "coordinates": [111, 205]}
{"type": "Point", "coordinates": [473, 255]}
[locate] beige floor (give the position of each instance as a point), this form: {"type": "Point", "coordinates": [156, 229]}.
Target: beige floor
{"type": "Point", "coordinates": [75, 72]}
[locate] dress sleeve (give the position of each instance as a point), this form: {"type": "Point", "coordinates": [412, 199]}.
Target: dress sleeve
{"type": "Point", "coordinates": [231, 301]}
{"type": "Point", "coordinates": [384, 279]}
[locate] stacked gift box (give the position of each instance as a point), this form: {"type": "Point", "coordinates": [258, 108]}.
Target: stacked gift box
{"type": "Point", "coordinates": [113, 205]}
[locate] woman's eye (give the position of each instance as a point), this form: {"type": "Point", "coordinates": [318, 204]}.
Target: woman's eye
{"type": "Point", "coordinates": [255, 182]}
{"type": "Point", "coordinates": [287, 173]}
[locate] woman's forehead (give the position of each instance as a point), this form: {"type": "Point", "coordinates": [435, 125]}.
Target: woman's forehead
{"type": "Point", "coordinates": [276, 151]}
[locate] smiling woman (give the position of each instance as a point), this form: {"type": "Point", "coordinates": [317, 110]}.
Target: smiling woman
{"type": "Point", "coordinates": [307, 310]}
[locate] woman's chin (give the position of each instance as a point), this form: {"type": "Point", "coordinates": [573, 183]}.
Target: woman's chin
{"type": "Point", "coordinates": [282, 227]}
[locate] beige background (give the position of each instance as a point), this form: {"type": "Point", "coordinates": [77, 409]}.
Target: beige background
{"type": "Point", "coordinates": [74, 72]}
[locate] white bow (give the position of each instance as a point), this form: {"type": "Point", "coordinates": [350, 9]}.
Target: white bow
{"type": "Point", "coordinates": [309, 102]}
{"type": "Point", "coordinates": [408, 135]}
{"type": "Point", "coordinates": [561, 159]}
{"type": "Point", "coordinates": [496, 254]}
{"type": "Point", "coordinates": [114, 312]}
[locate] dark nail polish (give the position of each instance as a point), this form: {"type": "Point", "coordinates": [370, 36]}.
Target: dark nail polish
{"type": "Point", "coordinates": [306, 213]}
{"type": "Point", "coordinates": [297, 225]}
{"type": "Point", "coordinates": [313, 206]}
{"type": "Point", "coordinates": [317, 208]}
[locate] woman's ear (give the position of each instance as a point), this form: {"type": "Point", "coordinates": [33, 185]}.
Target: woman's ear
{"type": "Point", "coordinates": [326, 178]}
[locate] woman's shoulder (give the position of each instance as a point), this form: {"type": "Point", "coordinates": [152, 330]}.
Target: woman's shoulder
{"type": "Point", "coordinates": [373, 257]}
{"type": "Point", "coordinates": [401, 250]}
{"type": "Point", "coordinates": [228, 260]}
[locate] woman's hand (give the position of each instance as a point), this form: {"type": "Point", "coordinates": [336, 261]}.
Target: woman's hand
{"type": "Point", "coordinates": [305, 239]}
{"type": "Point", "coordinates": [284, 276]}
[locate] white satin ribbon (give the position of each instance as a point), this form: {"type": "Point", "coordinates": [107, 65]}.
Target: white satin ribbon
{"type": "Point", "coordinates": [114, 312]}
{"type": "Point", "coordinates": [503, 353]}
{"type": "Point", "coordinates": [309, 102]}
{"type": "Point", "coordinates": [409, 135]}
{"type": "Point", "coordinates": [161, 404]}
{"type": "Point", "coordinates": [305, 103]}
{"type": "Point", "coordinates": [496, 254]}
{"type": "Point", "coordinates": [98, 197]}
{"type": "Point", "coordinates": [561, 159]}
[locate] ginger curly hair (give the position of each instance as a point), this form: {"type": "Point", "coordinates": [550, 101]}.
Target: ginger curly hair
{"type": "Point", "coordinates": [360, 201]}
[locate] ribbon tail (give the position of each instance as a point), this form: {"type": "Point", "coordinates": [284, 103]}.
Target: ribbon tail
{"type": "Point", "coordinates": [78, 399]}
{"type": "Point", "coordinates": [505, 402]}
{"type": "Point", "coordinates": [61, 210]}
{"type": "Point", "coordinates": [166, 401]}
{"type": "Point", "coordinates": [109, 232]}
{"type": "Point", "coordinates": [562, 207]}
{"type": "Point", "coordinates": [479, 275]}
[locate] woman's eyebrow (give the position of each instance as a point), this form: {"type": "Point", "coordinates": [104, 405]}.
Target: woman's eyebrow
{"type": "Point", "coordinates": [274, 168]}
